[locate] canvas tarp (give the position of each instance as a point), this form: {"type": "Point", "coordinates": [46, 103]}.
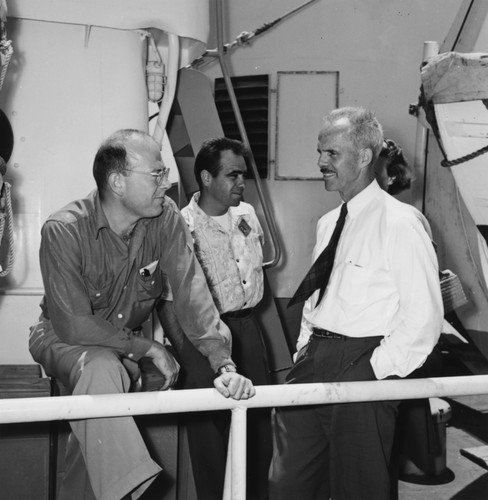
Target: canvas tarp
{"type": "Point", "coordinates": [454, 77]}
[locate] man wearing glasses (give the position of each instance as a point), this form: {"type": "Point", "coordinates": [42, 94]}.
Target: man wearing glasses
{"type": "Point", "coordinates": [104, 261]}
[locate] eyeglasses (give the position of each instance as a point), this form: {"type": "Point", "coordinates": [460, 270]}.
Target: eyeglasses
{"type": "Point", "coordinates": [157, 175]}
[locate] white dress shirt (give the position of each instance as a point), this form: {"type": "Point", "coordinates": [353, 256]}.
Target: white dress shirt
{"type": "Point", "coordinates": [384, 282]}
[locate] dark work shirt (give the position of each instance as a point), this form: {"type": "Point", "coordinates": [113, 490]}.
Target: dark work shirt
{"type": "Point", "coordinates": [99, 290]}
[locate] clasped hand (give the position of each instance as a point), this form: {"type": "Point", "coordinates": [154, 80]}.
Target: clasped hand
{"type": "Point", "coordinates": [229, 384]}
{"type": "Point", "coordinates": [165, 362]}
{"type": "Point", "coordinates": [235, 386]}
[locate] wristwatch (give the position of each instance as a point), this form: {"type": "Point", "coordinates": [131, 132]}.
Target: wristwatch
{"type": "Point", "coordinates": [225, 369]}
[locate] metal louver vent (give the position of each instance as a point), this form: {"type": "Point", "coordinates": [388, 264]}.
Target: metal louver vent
{"type": "Point", "coordinates": [252, 94]}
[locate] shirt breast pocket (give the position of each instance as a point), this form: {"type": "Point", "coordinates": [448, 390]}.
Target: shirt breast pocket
{"type": "Point", "coordinates": [99, 289]}
{"type": "Point", "coordinates": [356, 283]}
{"type": "Point", "coordinates": [150, 287]}
{"type": "Point", "coordinates": [249, 247]}
{"type": "Point", "coordinates": [256, 242]}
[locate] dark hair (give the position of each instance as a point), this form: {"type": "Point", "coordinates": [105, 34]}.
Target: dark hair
{"type": "Point", "coordinates": [208, 158]}
{"type": "Point", "coordinates": [397, 167]}
{"type": "Point", "coordinates": [365, 130]}
{"type": "Point", "coordinates": [113, 156]}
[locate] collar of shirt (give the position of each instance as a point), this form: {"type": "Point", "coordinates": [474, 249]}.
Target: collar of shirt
{"type": "Point", "coordinates": [235, 283]}
{"type": "Point", "coordinates": [197, 217]}
{"type": "Point", "coordinates": [100, 217]}
{"type": "Point", "coordinates": [138, 231]}
{"type": "Point", "coordinates": [356, 205]}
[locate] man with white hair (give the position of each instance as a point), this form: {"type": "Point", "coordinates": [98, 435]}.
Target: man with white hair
{"type": "Point", "coordinates": [373, 310]}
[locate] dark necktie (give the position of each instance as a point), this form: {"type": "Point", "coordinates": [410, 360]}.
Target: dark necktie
{"type": "Point", "coordinates": [319, 273]}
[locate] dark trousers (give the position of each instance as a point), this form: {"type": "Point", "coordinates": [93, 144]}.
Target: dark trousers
{"type": "Point", "coordinates": [337, 451]}
{"type": "Point", "coordinates": [416, 437]}
{"type": "Point", "coordinates": [208, 432]}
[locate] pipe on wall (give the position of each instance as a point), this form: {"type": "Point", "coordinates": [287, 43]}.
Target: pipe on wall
{"type": "Point", "coordinates": [220, 53]}
{"type": "Point", "coordinates": [430, 49]}
{"type": "Point", "coordinates": [169, 94]}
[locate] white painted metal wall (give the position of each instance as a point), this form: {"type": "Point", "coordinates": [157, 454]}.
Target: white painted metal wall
{"type": "Point", "coordinates": [68, 86]}
{"type": "Point", "coordinates": [376, 45]}
{"type": "Point", "coordinates": [65, 91]}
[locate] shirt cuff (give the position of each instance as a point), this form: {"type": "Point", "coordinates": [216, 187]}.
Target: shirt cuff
{"type": "Point", "coordinates": [137, 347]}
{"type": "Point", "coordinates": [382, 364]}
{"type": "Point", "coordinates": [218, 360]}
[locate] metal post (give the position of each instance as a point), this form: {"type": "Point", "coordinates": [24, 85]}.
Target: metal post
{"type": "Point", "coordinates": [235, 467]}
{"type": "Point", "coordinates": [238, 434]}
{"type": "Point", "coordinates": [430, 49]}
{"type": "Point", "coordinates": [170, 90]}
{"type": "Point", "coordinates": [228, 471]}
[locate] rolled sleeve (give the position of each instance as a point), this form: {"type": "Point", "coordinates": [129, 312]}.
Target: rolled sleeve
{"type": "Point", "coordinates": [193, 303]}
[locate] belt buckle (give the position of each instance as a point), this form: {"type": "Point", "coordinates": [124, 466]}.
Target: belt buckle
{"type": "Point", "coordinates": [326, 334]}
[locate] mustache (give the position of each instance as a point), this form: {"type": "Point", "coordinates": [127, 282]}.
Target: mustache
{"type": "Point", "coordinates": [325, 170]}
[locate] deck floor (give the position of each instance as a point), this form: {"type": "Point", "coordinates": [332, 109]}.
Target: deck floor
{"type": "Point", "coordinates": [467, 428]}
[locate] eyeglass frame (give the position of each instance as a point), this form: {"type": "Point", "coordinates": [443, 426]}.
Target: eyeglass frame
{"type": "Point", "coordinates": [157, 175]}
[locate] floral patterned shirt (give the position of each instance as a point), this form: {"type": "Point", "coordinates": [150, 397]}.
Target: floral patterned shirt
{"type": "Point", "coordinates": [232, 261]}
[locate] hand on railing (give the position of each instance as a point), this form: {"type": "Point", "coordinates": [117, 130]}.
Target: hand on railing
{"type": "Point", "coordinates": [235, 386]}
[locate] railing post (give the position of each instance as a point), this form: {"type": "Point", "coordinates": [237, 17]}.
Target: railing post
{"type": "Point", "coordinates": [228, 472]}
{"type": "Point", "coordinates": [235, 472]}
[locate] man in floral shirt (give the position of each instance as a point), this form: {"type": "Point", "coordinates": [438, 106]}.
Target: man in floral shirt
{"type": "Point", "coordinates": [228, 243]}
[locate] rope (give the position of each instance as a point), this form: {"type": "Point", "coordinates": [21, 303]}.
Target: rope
{"type": "Point", "coordinates": [462, 159]}
{"type": "Point", "coordinates": [6, 49]}
{"type": "Point", "coordinates": [245, 37]}
{"type": "Point", "coordinates": [7, 216]}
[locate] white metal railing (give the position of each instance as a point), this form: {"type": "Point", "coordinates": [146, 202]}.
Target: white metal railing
{"type": "Point", "coordinates": [145, 403]}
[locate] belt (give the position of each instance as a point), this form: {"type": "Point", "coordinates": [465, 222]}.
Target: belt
{"type": "Point", "coordinates": [241, 313]}
{"type": "Point", "coordinates": [325, 334]}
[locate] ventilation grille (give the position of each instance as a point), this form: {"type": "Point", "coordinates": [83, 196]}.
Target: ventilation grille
{"type": "Point", "coordinates": [252, 94]}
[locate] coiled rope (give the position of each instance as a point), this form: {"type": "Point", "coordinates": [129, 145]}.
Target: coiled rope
{"type": "Point", "coordinates": [6, 217]}
{"type": "Point", "coordinates": [6, 49]}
